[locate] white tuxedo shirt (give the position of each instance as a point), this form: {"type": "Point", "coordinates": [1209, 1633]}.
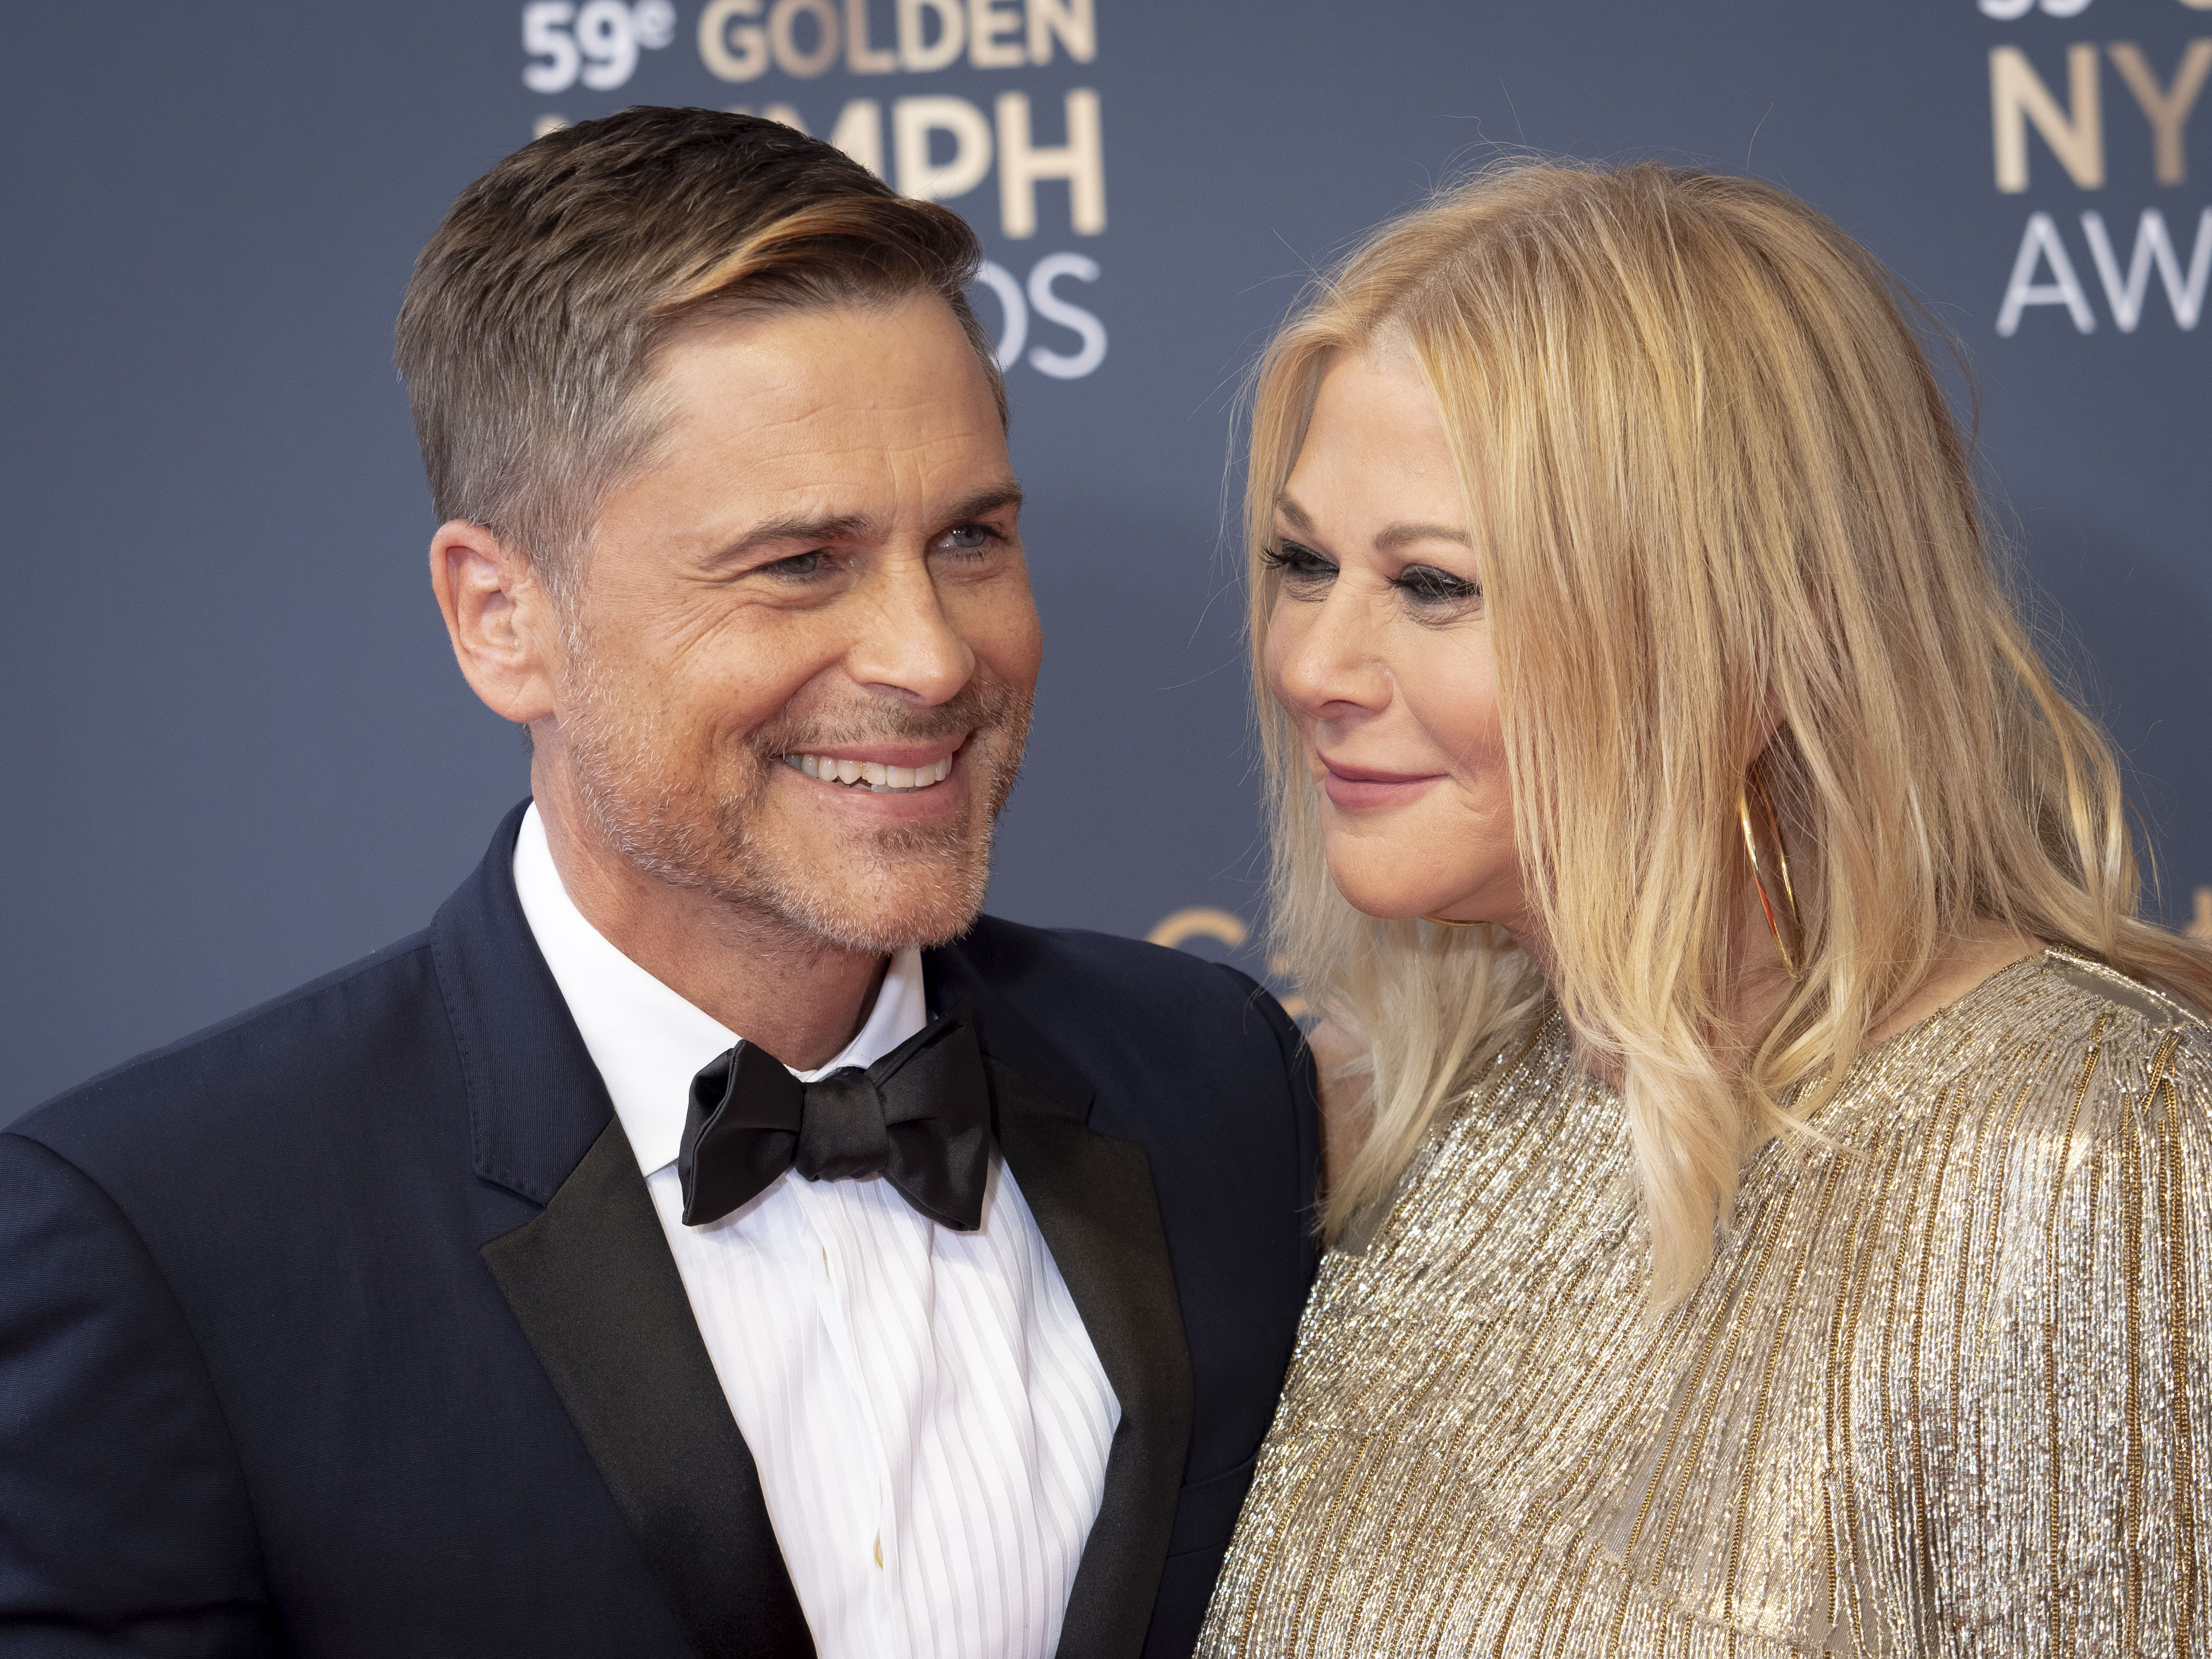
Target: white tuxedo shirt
{"type": "Point", "coordinates": [930, 1421]}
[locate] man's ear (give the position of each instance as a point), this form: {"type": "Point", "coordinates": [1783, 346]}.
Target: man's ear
{"type": "Point", "coordinates": [505, 635]}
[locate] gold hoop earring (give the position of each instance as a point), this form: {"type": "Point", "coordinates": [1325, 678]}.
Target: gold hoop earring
{"type": "Point", "coordinates": [1753, 786]}
{"type": "Point", "coordinates": [1446, 921]}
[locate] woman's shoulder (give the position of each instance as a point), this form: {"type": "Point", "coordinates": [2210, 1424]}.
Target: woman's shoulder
{"type": "Point", "coordinates": [2018, 1085]}
{"type": "Point", "coordinates": [2059, 1060]}
{"type": "Point", "coordinates": [2136, 1043]}
{"type": "Point", "coordinates": [2107, 993]}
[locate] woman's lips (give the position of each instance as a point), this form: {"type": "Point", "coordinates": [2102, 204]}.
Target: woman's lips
{"type": "Point", "coordinates": [1355, 788]}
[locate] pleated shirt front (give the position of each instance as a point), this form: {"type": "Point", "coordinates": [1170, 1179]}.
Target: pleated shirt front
{"type": "Point", "coordinates": [929, 1417]}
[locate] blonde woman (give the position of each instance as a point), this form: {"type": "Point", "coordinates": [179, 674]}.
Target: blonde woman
{"type": "Point", "coordinates": [1777, 1212]}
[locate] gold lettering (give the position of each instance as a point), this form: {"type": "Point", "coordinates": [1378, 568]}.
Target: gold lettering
{"type": "Point", "coordinates": [2165, 109]}
{"type": "Point", "coordinates": [913, 120]}
{"type": "Point", "coordinates": [860, 134]}
{"type": "Point", "coordinates": [783, 37]}
{"type": "Point", "coordinates": [988, 22]}
{"type": "Point", "coordinates": [918, 53]}
{"type": "Point", "coordinates": [2017, 96]}
{"type": "Point", "coordinates": [732, 54]}
{"type": "Point", "coordinates": [1072, 20]}
{"type": "Point", "coordinates": [860, 58]}
{"type": "Point", "coordinates": [1081, 161]}
{"type": "Point", "coordinates": [1204, 921]}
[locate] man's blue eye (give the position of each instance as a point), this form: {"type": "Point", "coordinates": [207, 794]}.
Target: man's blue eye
{"type": "Point", "coordinates": [971, 537]}
{"type": "Point", "coordinates": [798, 565]}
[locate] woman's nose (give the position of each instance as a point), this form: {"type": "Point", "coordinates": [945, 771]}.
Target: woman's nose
{"type": "Point", "coordinates": [1329, 665]}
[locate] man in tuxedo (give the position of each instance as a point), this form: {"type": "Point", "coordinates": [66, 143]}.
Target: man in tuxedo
{"type": "Point", "coordinates": [710, 1235]}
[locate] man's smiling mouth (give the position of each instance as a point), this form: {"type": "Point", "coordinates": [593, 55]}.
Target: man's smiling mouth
{"type": "Point", "coordinates": [872, 774]}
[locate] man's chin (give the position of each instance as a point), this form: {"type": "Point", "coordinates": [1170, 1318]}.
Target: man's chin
{"type": "Point", "coordinates": [881, 934]}
{"type": "Point", "coordinates": [878, 906]}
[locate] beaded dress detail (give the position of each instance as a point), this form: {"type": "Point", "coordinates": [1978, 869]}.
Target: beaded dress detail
{"type": "Point", "coordinates": [1943, 1391]}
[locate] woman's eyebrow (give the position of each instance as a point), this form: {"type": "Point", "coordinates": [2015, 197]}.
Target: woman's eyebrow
{"type": "Point", "coordinates": [1390, 540]}
{"type": "Point", "coordinates": [1402, 535]}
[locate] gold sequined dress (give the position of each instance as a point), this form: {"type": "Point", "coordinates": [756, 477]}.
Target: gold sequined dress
{"type": "Point", "coordinates": [1944, 1390]}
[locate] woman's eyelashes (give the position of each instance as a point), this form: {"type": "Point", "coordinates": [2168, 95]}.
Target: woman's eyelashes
{"type": "Point", "coordinates": [1429, 589]}
{"type": "Point", "coordinates": [1304, 572]}
{"type": "Point", "coordinates": [1432, 594]}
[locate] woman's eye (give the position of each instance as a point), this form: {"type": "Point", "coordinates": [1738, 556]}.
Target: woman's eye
{"type": "Point", "coordinates": [1426, 584]}
{"type": "Point", "coordinates": [1301, 567]}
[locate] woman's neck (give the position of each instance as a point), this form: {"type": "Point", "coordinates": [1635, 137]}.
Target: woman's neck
{"type": "Point", "coordinates": [1758, 983]}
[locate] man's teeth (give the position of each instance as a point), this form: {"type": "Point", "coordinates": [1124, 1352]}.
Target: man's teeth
{"type": "Point", "coordinates": [873, 774]}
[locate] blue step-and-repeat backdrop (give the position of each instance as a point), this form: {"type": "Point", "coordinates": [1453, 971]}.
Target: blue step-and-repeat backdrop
{"type": "Point", "coordinates": [236, 752]}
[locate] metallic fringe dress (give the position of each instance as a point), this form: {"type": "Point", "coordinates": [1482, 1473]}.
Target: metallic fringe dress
{"type": "Point", "coordinates": [1943, 1390]}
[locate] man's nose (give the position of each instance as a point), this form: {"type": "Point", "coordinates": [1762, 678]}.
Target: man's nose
{"type": "Point", "coordinates": [906, 645]}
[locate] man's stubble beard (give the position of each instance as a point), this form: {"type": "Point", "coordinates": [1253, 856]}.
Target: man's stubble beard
{"type": "Point", "coordinates": [875, 892]}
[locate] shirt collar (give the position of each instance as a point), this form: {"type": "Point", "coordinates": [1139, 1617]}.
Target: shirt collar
{"type": "Point", "coordinates": [648, 1042]}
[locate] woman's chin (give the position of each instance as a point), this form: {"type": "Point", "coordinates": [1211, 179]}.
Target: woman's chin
{"type": "Point", "coordinates": [1386, 901]}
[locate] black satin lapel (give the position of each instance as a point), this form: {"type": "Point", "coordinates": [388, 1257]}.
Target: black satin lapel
{"type": "Point", "coordinates": [1093, 1201]}
{"type": "Point", "coordinates": [592, 1281]}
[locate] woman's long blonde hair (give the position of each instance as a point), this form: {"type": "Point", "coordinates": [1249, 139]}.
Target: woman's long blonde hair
{"type": "Point", "coordinates": [1717, 492]}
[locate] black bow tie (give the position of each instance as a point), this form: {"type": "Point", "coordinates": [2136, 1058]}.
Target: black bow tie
{"type": "Point", "coordinates": [920, 1118]}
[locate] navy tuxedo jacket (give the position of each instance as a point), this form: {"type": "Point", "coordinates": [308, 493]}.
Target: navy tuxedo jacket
{"type": "Point", "coordinates": [348, 1328]}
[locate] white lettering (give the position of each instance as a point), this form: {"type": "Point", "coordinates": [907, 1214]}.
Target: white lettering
{"type": "Point", "coordinates": [913, 121]}
{"type": "Point", "coordinates": [544, 34]}
{"type": "Point", "coordinates": [1071, 21]}
{"type": "Point", "coordinates": [918, 53]}
{"type": "Point", "coordinates": [608, 41]}
{"type": "Point", "coordinates": [2152, 246]}
{"type": "Point", "coordinates": [654, 23]}
{"type": "Point", "coordinates": [2017, 96]}
{"type": "Point", "coordinates": [2040, 242]}
{"type": "Point", "coordinates": [1013, 312]}
{"type": "Point", "coordinates": [860, 58]}
{"type": "Point", "coordinates": [988, 20]}
{"type": "Point", "coordinates": [1081, 161]}
{"type": "Point", "coordinates": [732, 54]}
{"type": "Point", "coordinates": [1079, 322]}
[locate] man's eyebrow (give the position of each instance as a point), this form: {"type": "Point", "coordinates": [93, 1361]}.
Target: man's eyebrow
{"type": "Point", "coordinates": [857, 526]}
{"type": "Point", "coordinates": [826, 527]}
{"type": "Point", "coordinates": [985, 502]}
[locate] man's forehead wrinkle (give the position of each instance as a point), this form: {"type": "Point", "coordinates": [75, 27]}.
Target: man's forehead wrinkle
{"type": "Point", "coordinates": [800, 442]}
{"type": "Point", "coordinates": [798, 395]}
